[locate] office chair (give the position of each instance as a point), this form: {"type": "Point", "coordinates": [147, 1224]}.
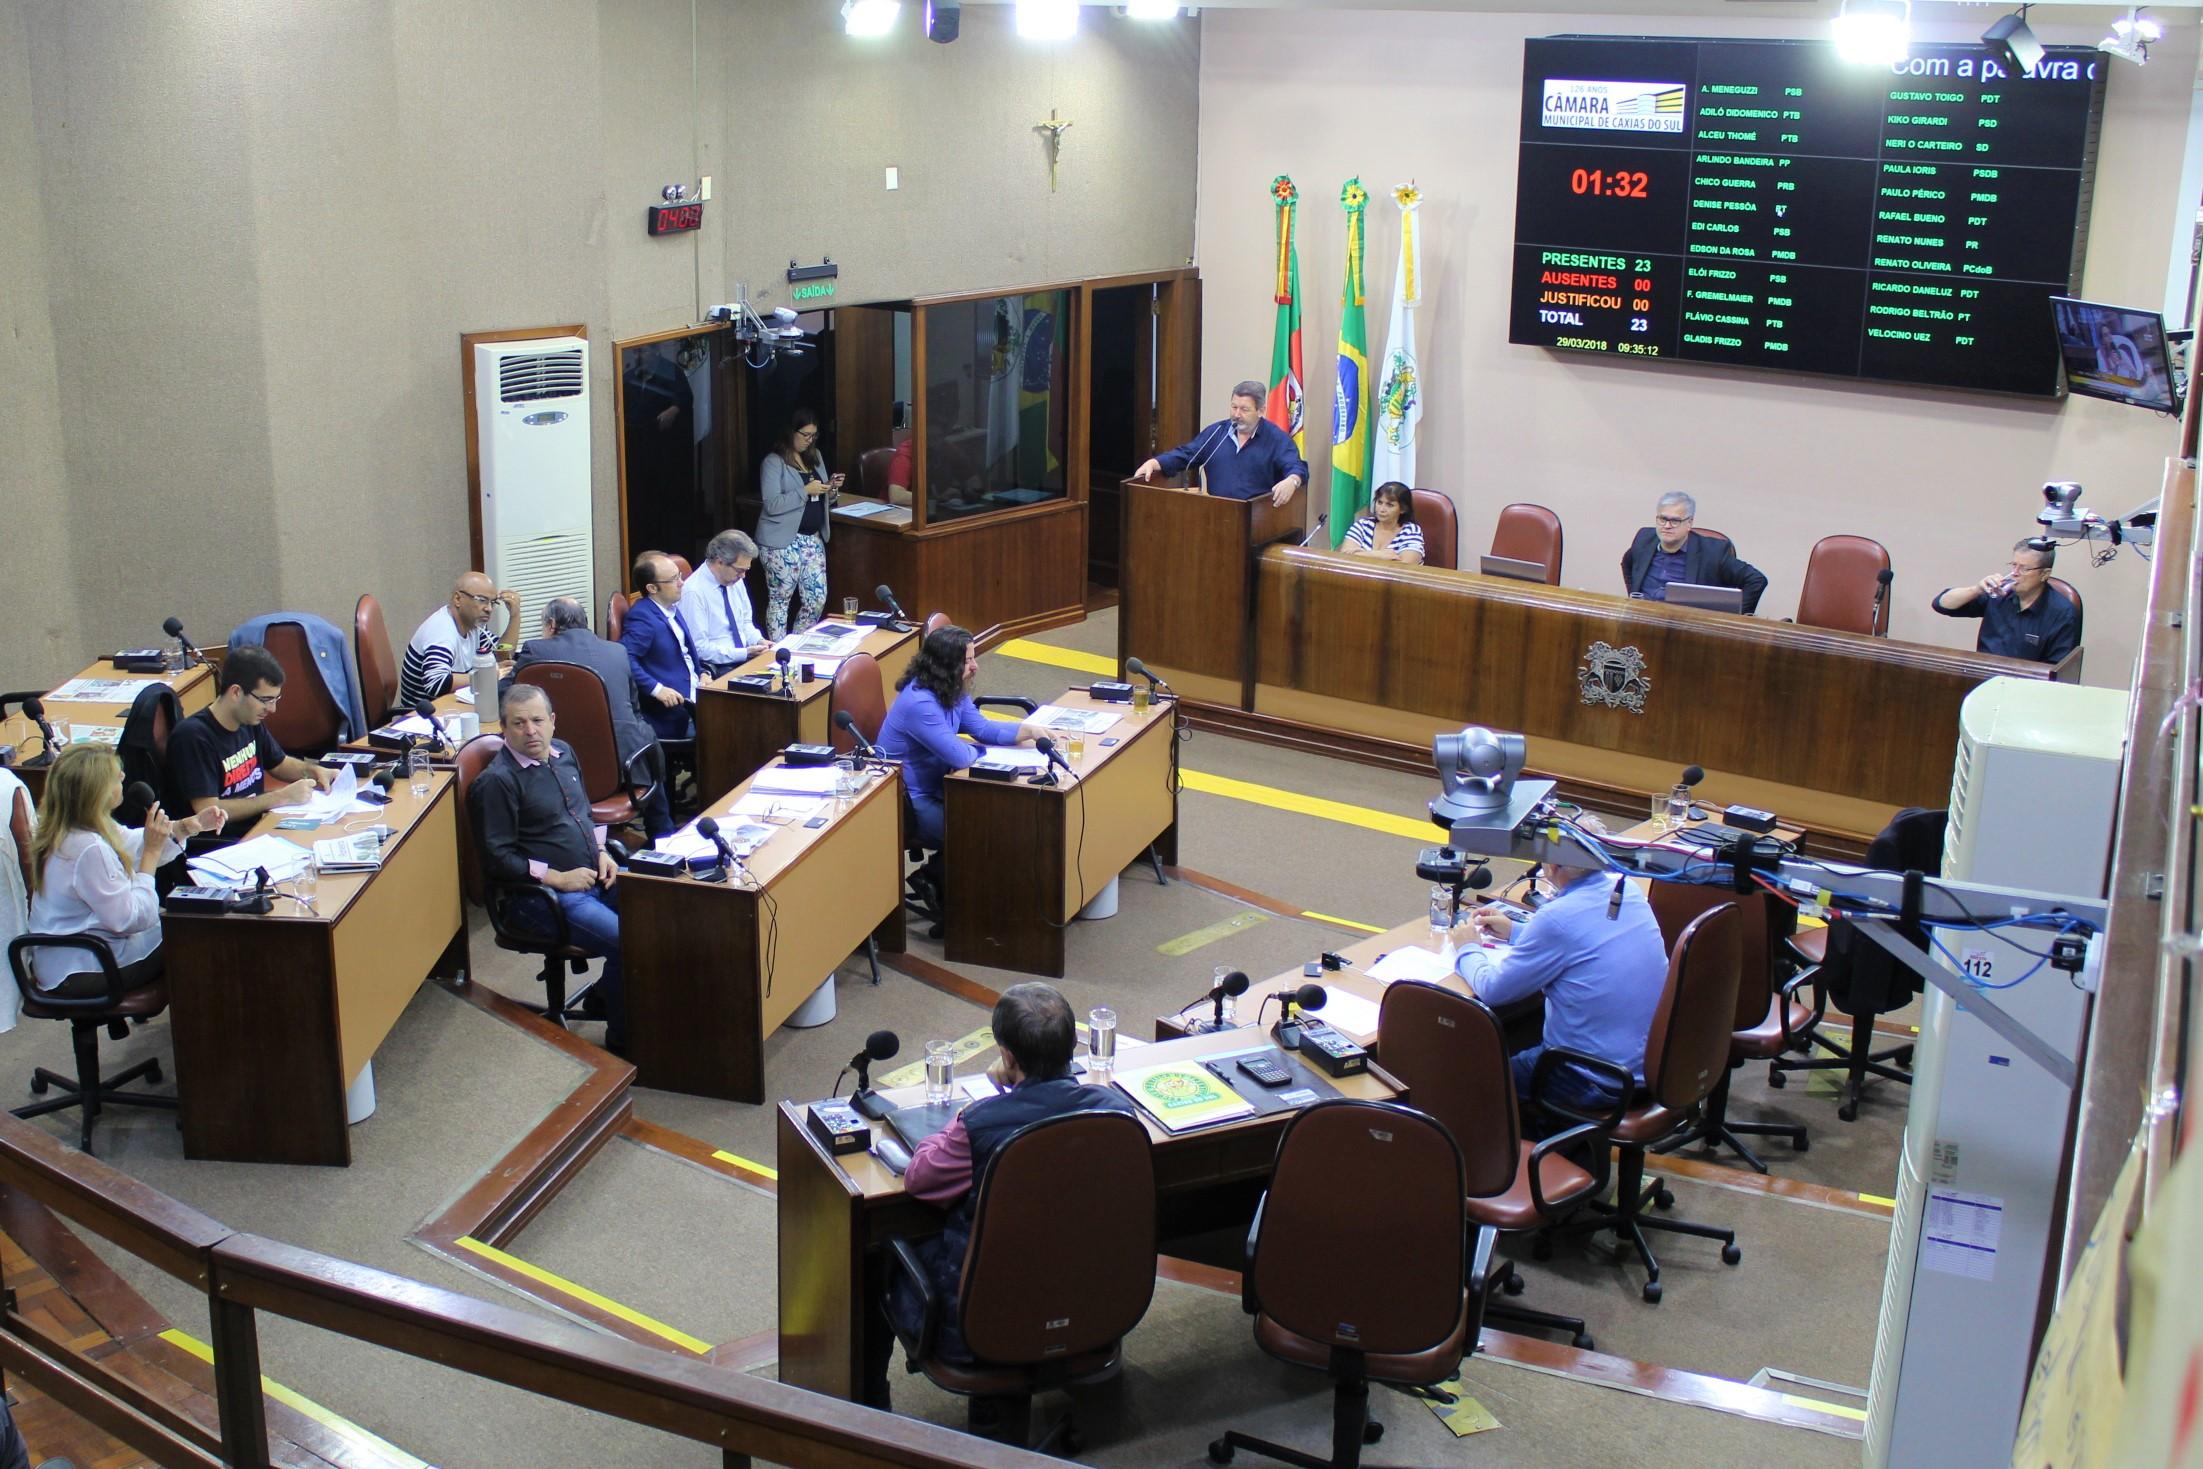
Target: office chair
{"type": "Point", "coordinates": [1843, 587]}
{"type": "Point", "coordinates": [1451, 1052]}
{"type": "Point", "coordinates": [1686, 1055]}
{"type": "Point", "coordinates": [1529, 533]}
{"type": "Point", "coordinates": [524, 916]}
{"type": "Point", "coordinates": [143, 747]}
{"type": "Point", "coordinates": [618, 790]}
{"type": "Point", "coordinates": [1048, 1293]}
{"type": "Point", "coordinates": [1859, 977]}
{"type": "Point", "coordinates": [114, 1009]}
{"type": "Point", "coordinates": [1769, 1019]}
{"type": "Point", "coordinates": [1358, 1264]}
{"type": "Point", "coordinates": [935, 623]}
{"type": "Point", "coordinates": [872, 467]}
{"type": "Point", "coordinates": [371, 655]}
{"type": "Point", "coordinates": [1441, 523]}
{"type": "Point", "coordinates": [308, 721]}
{"type": "Point", "coordinates": [615, 615]}
{"type": "Point", "coordinates": [2073, 595]}
{"type": "Point", "coordinates": [681, 568]}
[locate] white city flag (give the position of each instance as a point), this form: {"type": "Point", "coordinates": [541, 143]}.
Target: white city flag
{"type": "Point", "coordinates": [1399, 402]}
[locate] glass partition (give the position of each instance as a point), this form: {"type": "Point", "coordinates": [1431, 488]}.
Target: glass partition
{"type": "Point", "coordinates": [673, 440]}
{"type": "Point", "coordinates": [997, 403]}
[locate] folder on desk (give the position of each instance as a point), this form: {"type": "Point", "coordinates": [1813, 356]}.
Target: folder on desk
{"type": "Point", "coordinates": [915, 1124]}
{"type": "Point", "coordinates": [1180, 1095]}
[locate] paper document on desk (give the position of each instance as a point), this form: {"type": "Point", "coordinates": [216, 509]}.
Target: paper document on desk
{"type": "Point", "coordinates": [1180, 1095]}
{"type": "Point", "coordinates": [1012, 755]}
{"type": "Point", "coordinates": [794, 780]}
{"type": "Point", "coordinates": [464, 693]}
{"type": "Point", "coordinates": [1348, 1012]}
{"type": "Point", "coordinates": [234, 866]}
{"type": "Point", "coordinates": [341, 799]}
{"type": "Point", "coordinates": [858, 510]}
{"type": "Point", "coordinates": [689, 842]}
{"type": "Point", "coordinates": [359, 852]}
{"type": "Point", "coordinates": [104, 690]}
{"type": "Point", "coordinates": [764, 806]}
{"type": "Point", "coordinates": [1411, 963]}
{"type": "Point", "coordinates": [1073, 721]}
{"type": "Point", "coordinates": [413, 724]}
{"type": "Point", "coordinates": [826, 640]}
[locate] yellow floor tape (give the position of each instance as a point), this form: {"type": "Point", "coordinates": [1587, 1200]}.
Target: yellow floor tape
{"type": "Point", "coordinates": [1341, 922]}
{"type": "Point", "coordinates": [1031, 652]}
{"type": "Point", "coordinates": [1877, 1199]}
{"type": "Point", "coordinates": [741, 1162]}
{"type": "Point", "coordinates": [1837, 1410]}
{"type": "Point", "coordinates": [1415, 828]}
{"type": "Point", "coordinates": [606, 1304]}
{"type": "Point", "coordinates": [303, 1405]}
{"type": "Point", "coordinates": [1186, 943]}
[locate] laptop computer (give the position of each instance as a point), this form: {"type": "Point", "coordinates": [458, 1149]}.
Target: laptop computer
{"type": "Point", "coordinates": [1712, 599]}
{"type": "Point", "coordinates": [1509, 566]}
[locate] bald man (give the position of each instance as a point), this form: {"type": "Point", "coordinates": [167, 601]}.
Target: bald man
{"type": "Point", "coordinates": [444, 646]}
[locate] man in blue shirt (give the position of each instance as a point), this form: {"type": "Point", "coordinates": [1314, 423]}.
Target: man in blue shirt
{"type": "Point", "coordinates": [2022, 615]}
{"type": "Point", "coordinates": [1601, 974]}
{"type": "Point", "coordinates": [1245, 454]}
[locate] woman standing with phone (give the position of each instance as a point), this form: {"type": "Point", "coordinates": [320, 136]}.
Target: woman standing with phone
{"type": "Point", "coordinates": [792, 528]}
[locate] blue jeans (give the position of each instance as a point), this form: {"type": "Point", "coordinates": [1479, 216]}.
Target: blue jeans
{"type": "Point", "coordinates": [1567, 1085]}
{"type": "Point", "coordinates": [593, 921]}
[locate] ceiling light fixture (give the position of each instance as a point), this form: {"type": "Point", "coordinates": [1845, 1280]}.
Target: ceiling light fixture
{"type": "Point", "coordinates": [1873, 32]}
{"type": "Point", "coordinates": [869, 17]}
{"type": "Point", "coordinates": [2131, 37]}
{"type": "Point", "coordinates": [2012, 43]}
{"type": "Point", "coordinates": [1047, 20]}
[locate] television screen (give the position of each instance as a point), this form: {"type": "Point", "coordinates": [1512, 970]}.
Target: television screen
{"type": "Point", "coordinates": [2115, 352]}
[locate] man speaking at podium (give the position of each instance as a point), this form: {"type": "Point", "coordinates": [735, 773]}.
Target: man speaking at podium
{"type": "Point", "coordinates": [1245, 454]}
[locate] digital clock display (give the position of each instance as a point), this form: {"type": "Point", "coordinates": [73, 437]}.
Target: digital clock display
{"type": "Point", "coordinates": [1767, 204]}
{"type": "Point", "coordinates": [674, 219]}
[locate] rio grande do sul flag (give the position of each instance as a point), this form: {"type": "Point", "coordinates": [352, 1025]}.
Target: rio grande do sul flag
{"type": "Point", "coordinates": [1286, 377]}
{"type": "Point", "coordinates": [1399, 399]}
{"type": "Point", "coordinates": [1350, 395]}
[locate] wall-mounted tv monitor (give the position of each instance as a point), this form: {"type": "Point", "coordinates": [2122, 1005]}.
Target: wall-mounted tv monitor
{"type": "Point", "coordinates": [2115, 352]}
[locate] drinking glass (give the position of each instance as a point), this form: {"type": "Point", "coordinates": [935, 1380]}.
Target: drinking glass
{"type": "Point", "coordinates": [847, 780]}
{"type": "Point", "coordinates": [849, 607]}
{"type": "Point", "coordinates": [1139, 698]}
{"type": "Point", "coordinates": [1077, 742]}
{"type": "Point", "coordinates": [1441, 915]}
{"type": "Point", "coordinates": [1678, 805]}
{"type": "Point", "coordinates": [416, 772]}
{"type": "Point", "coordinates": [1101, 1036]}
{"type": "Point", "coordinates": [307, 885]}
{"type": "Point", "coordinates": [940, 1067]}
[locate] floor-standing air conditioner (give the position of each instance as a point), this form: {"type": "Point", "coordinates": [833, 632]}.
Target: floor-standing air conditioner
{"type": "Point", "coordinates": [532, 421]}
{"type": "Point", "coordinates": [1974, 1235]}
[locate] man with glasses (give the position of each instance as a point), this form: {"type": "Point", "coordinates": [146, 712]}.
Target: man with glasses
{"type": "Point", "coordinates": [660, 646]}
{"type": "Point", "coordinates": [444, 646]}
{"type": "Point", "coordinates": [224, 756]}
{"type": "Point", "coordinates": [715, 605]}
{"type": "Point", "coordinates": [2022, 615]}
{"type": "Point", "coordinates": [1669, 551]}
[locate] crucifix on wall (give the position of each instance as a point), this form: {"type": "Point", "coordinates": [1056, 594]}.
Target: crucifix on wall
{"type": "Point", "coordinates": [1054, 128]}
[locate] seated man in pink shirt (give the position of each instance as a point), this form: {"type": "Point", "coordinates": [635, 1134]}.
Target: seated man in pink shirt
{"type": "Point", "coordinates": [1036, 1035]}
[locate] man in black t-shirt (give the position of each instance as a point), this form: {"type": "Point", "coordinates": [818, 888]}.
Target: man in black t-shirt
{"type": "Point", "coordinates": [224, 756]}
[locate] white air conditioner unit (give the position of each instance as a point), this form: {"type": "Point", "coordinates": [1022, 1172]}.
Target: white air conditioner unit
{"type": "Point", "coordinates": [532, 422]}
{"type": "Point", "coordinates": [1976, 1230]}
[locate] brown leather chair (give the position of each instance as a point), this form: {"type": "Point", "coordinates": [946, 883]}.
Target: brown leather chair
{"type": "Point", "coordinates": [1686, 1055]}
{"type": "Point", "coordinates": [1441, 523]}
{"type": "Point", "coordinates": [618, 790]}
{"type": "Point", "coordinates": [935, 623]}
{"type": "Point", "coordinates": [615, 615]}
{"type": "Point", "coordinates": [1358, 1263]}
{"type": "Point", "coordinates": [1047, 1293]}
{"type": "Point", "coordinates": [87, 1016]}
{"type": "Point", "coordinates": [1717, 535]}
{"type": "Point", "coordinates": [524, 916]}
{"type": "Point", "coordinates": [1529, 532]}
{"type": "Point", "coordinates": [308, 721]}
{"type": "Point", "coordinates": [371, 655]}
{"type": "Point", "coordinates": [1843, 586]}
{"type": "Point", "coordinates": [1770, 1019]}
{"type": "Point", "coordinates": [681, 567]}
{"type": "Point", "coordinates": [858, 689]}
{"type": "Point", "coordinates": [2073, 595]}
{"type": "Point", "coordinates": [872, 467]}
{"type": "Point", "coordinates": [1451, 1052]}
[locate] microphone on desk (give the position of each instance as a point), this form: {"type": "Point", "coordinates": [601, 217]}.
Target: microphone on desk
{"type": "Point", "coordinates": [1307, 997]}
{"type": "Point", "coordinates": [707, 827]}
{"type": "Point", "coordinates": [1882, 579]}
{"type": "Point", "coordinates": [783, 657]}
{"type": "Point", "coordinates": [847, 724]}
{"type": "Point", "coordinates": [377, 790]}
{"type": "Point", "coordinates": [174, 627]}
{"type": "Point", "coordinates": [1047, 747]}
{"type": "Point", "coordinates": [436, 737]}
{"type": "Point", "coordinates": [1316, 529]}
{"type": "Point", "coordinates": [1194, 461]}
{"type": "Point", "coordinates": [35, 711]}
{"type": "Point", "coordinates": [887, 600]}
{"type": "Point", "coordinates": [1230, 986]}
{"type": "Point", "coordinates": [878, 1046]}
{"type": "Point", "coordinates": [1138, 669]}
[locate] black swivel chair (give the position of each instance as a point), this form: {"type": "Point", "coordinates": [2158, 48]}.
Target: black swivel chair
{"type": "Point", "coordinates": [524, 916]}
{"type": "Point", "coordinates": [1358, 1264]}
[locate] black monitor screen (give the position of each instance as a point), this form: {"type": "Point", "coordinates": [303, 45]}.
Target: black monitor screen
{"type": "Point", "coordinates": [2115, 352]}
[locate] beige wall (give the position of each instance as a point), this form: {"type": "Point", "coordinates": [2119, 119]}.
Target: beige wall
{"type": "Point", "coordinates": [1946, 480]}
{"type": "Point", "coordinates": [242, 392]}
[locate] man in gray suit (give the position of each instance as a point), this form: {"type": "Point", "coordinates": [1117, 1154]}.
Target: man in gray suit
{"type": "Point", "coordinates": [567, 639]}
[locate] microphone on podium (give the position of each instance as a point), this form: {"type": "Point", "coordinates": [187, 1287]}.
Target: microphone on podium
{"type": "Point", "coordinates": [878, 1046]}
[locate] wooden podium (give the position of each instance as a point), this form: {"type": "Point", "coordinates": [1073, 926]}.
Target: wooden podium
{"type": "Point", "coordinates": [1187, 585]}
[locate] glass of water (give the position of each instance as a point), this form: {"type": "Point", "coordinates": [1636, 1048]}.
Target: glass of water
{"type": "Point", "coordinates": [1140, 696]}
{"type": "Point", "coordinates": [1101, 1036]}
{"type": "Point", "coordinates": [307, 885]}
{"type": "Point", "coordinates": [849, 607]}
{"type": "Point", "coordinates": [848, 780]}
{"type": "Point", "coordinates": [1441, 915]}
{"type": "Point", "coordinates": [940, 1069]}
{"type": "Point", "coordinates": [416, 772]}
{"type": "Point", "coordinates": [1678, 810]}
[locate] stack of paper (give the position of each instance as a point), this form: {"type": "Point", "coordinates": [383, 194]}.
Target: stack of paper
{"type": "Point", "coordinates": [1348, 1012]}
{"type": "Point", "coordinates": [826, 640]}
{"type": "Point", "coordinates": [1073, 721]}
{"type": "Point", "coordinates": [1013, 755]}
{"type": "Point", "coordinates": [359, 852]}
{"type": "Point", "coordinates": [234, 866]}
{"type": "Point", "coordinates": [1180, 1095]}
{"type": "Point", "coordinates": [103, 690]}
{"type": "Point", "coordinates": [341, 799]}
{"type": "Point", "coordinates": [1412, 963]}
{"type": "Point", "coordinates": [764, 806]}
{"type": "Point", "coordinates": [794, 780]}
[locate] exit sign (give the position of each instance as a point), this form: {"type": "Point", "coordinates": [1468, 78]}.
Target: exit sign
{"type": "Point", "coordinates": [813, 291]}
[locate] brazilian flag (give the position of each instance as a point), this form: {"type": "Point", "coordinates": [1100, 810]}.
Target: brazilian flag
{"type": "Point", "coordinates": [1350, 418]}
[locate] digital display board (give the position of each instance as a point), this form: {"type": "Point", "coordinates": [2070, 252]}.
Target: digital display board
{"type": "Point", "coordinates": [1768, 204]}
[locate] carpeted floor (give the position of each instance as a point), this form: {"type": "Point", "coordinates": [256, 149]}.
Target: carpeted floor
{"type": "Point", "coordinates": [458, 1087]}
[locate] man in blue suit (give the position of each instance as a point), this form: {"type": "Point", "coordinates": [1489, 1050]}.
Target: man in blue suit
{"type": "Point", "coordinates": [659, 647]}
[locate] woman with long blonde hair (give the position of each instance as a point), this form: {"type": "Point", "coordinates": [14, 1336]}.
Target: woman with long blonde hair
{"type": "Point", "coordinates": [92, 877]}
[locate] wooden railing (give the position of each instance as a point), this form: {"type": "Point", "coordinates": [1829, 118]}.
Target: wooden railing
{"type": "Point", "coordinates": [243, 1275]}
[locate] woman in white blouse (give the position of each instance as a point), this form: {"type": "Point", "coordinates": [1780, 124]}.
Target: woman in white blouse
{"type": "Point", "coordinates": [90, 876]}
{"type": "Point", "coordinates": [1388, 530]}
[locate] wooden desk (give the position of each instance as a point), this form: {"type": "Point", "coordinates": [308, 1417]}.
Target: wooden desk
{"type": "Point", "coordinates": [100, 719]}
{"type": "Point", "coordinates": [834, 1210]}
{"type": "Point", "coordinates": [446, 706]}
{"type": "Point", "coordinates": [1188, 585]}
{"type": "Point", "coordinates": [1835, 731]}
{"type": "Point", "coordinates": [710, 969]}
{"type": "Point", "coordinates": [275, 1015]}
{"type": "Point", "coordinates": [1019, 569]}
{"type": "Point", "coordinates": [738, 731]}
{"type": "Point", "coordinates": [1021, 860]}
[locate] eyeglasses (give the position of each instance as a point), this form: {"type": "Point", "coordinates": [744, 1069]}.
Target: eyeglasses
{"type": "Point", "coordinates": [807, 434]}
{"type": "Point", "coordinates": [2016, 569]}
{"type": "Point", "coordinates": [478, 599]}
{"type": "Point", "coordinates": [1672, 521]}
{"type": "Point", "coordinates": [265, 701]}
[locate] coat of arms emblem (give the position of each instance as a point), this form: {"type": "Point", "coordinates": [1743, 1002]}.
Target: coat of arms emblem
{"type": "Point", "coordinates": [1614, 678]}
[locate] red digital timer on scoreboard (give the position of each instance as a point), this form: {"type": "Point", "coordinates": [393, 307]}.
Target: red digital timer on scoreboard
{"type": "Point", "coordinates": [674, 219]}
